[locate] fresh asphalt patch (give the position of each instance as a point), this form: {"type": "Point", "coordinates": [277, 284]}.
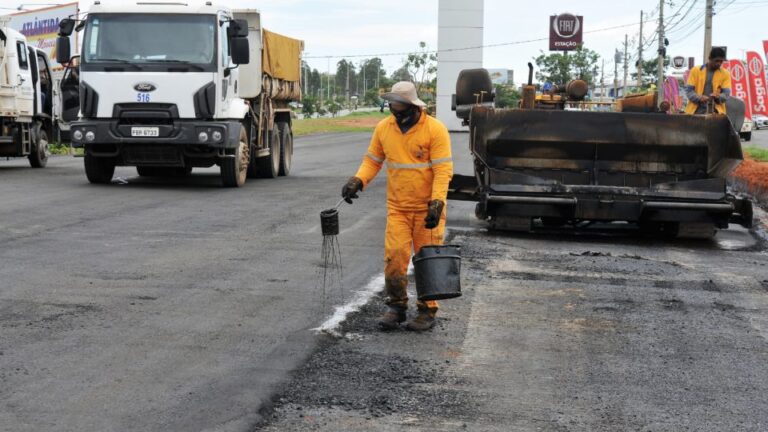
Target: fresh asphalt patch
{"type": "Point", "coordinates": [567, 332]}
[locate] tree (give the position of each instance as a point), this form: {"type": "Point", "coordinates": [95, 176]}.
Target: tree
{"type": "Point", "coordinates": [422, 65]}
{"type": "Point", "coordinates": [507, 96]}
{"type": "Point", "coordinates": [402, 74]}
{"type": "Point", "coordinates": [374, 73]}
{"type": "Point", "coordinates": [344, 69]}
{"type": "Point", "coordinates": [309, 106]}
{"type": "Point", "coordinates": [334, 107]}
{"type": "Point", "coordinates": [650, 71]}
{"type": "Point", "coordinates": [559, 68]}
{"type": "Point", "coordinates": [372, 97]}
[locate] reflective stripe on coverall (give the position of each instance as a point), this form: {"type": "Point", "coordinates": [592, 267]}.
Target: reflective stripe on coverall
{"type": "Point", "coordinates": [419, 168]}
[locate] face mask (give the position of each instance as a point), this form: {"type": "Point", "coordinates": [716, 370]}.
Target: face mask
{"type": "Point", "coordinates": [407, 117]}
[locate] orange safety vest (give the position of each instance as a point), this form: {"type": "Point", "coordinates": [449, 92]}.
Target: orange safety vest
{"type": "Point", "coordinates": [419, 162]}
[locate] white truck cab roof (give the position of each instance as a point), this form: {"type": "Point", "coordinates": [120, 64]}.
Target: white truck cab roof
{"type": "Point", "coordinates": [199, 7]}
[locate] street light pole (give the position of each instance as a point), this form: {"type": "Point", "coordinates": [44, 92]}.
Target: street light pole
{"type": "Point", "coordinates": [708, 28]}
{"type": "Point", "coordinates": [660, 66]}
{"type": "Point", "coordinates": [626, 60]}
{"type": "Point", "coordinates": [640, 55]}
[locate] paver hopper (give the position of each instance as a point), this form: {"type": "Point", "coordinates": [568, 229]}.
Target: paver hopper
{"type": "Point", "coordinates": [554, 167]}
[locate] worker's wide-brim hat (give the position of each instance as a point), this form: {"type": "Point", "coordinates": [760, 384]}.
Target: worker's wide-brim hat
{"type": "Point", "coordinates": [404, 92]}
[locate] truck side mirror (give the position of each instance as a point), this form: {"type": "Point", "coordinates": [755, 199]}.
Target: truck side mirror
{"type": "Point", "coordinates": [66, 27]}
{"type": "Point", "coordinates": [237, 29]}
{"type": "Point", "coordinates": [240, 51]}
{"type": "Point", "coordinates": [63, 54]}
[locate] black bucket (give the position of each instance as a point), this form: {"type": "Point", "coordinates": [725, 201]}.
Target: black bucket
{"type": "Point", "coordinates": [329, 222]}
{"type": "Point", "coordinates": [438, 272]}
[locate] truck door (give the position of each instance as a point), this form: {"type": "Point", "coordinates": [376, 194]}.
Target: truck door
{"type": "Point", "coordinates": [25, 93]}
{"type": "Point", "coordinates": [45, 83]}
{"type": "Point", "coordinates": [70, 91]}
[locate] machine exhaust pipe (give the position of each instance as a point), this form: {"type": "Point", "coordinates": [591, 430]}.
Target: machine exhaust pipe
{"type": "Point", "coordinates": [529, 91]}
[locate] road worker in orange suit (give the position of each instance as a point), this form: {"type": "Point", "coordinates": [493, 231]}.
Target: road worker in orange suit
{"type": "Point", "coordinates": [417, 151]}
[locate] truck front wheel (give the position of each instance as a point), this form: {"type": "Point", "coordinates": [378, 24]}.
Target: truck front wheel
{"type": "Point", "coordinates": [99, 170]}
{"type": "Point", "coordinates": [38, 157]}
{"type": "Point", "coordinates": [234, 170]}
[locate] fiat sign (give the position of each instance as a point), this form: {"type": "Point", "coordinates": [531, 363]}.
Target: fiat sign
{"type": "Point", "coordinates": [565, 32]}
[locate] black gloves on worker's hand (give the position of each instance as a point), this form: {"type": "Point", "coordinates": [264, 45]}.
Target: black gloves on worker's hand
{"type": "Point", "coordinates": [435, 210]}
{"type": "Point", "coordinates": [350, 190]}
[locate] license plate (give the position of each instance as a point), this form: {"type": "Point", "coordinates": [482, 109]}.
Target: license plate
{"type": "Point", "coordinates": [145, 131]}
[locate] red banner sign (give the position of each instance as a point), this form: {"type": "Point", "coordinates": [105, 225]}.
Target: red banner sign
{"type": "Point", "coordinates": [758, 90]}
{"type": "Point", "coordinates": [740, 84]}
{"type": "Point", "coordinates": [565, 32]}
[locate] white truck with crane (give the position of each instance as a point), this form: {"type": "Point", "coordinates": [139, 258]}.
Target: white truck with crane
{"type": "Point", "coordinates": [26, 98]}
{"type": "Point", "coordinates": [167, 86]}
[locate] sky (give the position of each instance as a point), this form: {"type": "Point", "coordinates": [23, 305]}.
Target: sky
{"type": "Point", "coordinates": [340, 28]}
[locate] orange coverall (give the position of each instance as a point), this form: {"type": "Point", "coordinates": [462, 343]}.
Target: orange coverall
{"type": "Point", "coordinates": [419, 168]}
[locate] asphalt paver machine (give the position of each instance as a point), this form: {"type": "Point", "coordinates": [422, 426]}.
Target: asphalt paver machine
{"type": "Point", "coordinates": [556, 162]}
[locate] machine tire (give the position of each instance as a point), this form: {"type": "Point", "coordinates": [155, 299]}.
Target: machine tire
{"type": "Point", "coordinates": [269, 166]}
{"type": "Point", "coordinates": [748, 136]}
{"type": "Point", "coordinates": [99, 170]}
{"type": "Point", "coordinates": [38, 157]}
{"type": "Point", "coordinates": [286, 148]}
{"type": "Point", "coordinates": [234, 170]}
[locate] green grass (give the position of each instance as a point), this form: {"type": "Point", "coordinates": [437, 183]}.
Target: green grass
{"type": "Point", "coordinates": [60, 149]}
{"type": "Point", "coordinates": [355, 122]}
{"type": "Point", "coordinates": [757, 153]}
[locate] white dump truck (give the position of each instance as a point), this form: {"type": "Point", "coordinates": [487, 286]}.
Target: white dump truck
{"type": "Point", "coordinates": [167, 86]}
{"type": "Point", "coordinates": [26, 98]}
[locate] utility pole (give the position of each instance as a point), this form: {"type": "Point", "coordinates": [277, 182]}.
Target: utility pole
{"type": "Point", "coordinates": [364, 83]}
{"type": "Point", "coordinates": [602, 81]}
{"type": "Point", "coordinates": [660, 66]}
{"type": "Point", "coordinates": [347, 82]}
{"type": "Point", "coordinates": [640, 55]}
{"type": "Point", "coordinates": [616, 61]}
{"type": "Point", "coordinates": [329, 79]}
{"type": "Point", "coordinates": [626, 62]}
{"type": "Point", "coordinates": [708, 28]}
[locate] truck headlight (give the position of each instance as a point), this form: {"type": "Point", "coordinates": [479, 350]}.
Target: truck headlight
{"type": "Point", "coordinates": [216, 135]}
{"type": "Point", "coordinates": [202, 136]}
{"type": "Point", "coordinates": [90, 136]}
{"type": "Point", "coordinates": [77, 135]}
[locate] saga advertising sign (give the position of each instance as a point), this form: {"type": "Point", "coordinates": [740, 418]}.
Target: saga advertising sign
{"type": "Point", "coordinates": [41, 27]}
{"type": "Point", "coordinates": [758, 90]}
{"type": "Point", "coordinates": [565, 32]}
{"type": "Point", "coordinates": [740, 84]}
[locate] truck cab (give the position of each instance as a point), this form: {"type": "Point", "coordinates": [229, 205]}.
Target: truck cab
{"type": "Point", "coordinates": [26, 98]}
{"type": "Point", "coordinates": [160, 88]}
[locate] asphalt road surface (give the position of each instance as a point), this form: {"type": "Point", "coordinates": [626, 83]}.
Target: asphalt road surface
{"type": "Point", "coordinates": [156, 305]}
{"type": "Point", "coordinates": [759, 139]}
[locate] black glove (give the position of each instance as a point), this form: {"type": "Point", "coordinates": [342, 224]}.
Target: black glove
{"type": "Point", "coordinates": [435, 210]}
{"type": "Point", "coordinates": [350, 190]}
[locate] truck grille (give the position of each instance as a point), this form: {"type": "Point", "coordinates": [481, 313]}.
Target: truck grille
{"type": "Point", "coordinates": [152, 155]}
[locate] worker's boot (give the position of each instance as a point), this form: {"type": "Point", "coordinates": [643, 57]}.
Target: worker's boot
{"type": "Point", "coordinates": [392, 318]}
{"type": "Point", "coordinates": [424, 320]}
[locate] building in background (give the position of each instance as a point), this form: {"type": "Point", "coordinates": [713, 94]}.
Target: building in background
{"type": "Point", "coordinates": [502, 76]}
{"type": "Point", "coordinates": [460, 26]}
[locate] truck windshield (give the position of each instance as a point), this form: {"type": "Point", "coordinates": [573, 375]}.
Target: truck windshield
{"type": "Point", "coordinates": [150, 42]}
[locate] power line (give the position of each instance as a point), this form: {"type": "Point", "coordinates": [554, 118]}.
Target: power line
{"type": "Point", "coordinates": [520, 42]}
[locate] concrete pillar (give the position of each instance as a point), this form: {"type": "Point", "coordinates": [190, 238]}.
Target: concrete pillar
{"type": "Point", "coordinates": [460, 25]}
